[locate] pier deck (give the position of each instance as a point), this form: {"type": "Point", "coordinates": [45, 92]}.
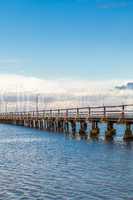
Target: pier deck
{"type": "Point", "coordinates": [65, 120]}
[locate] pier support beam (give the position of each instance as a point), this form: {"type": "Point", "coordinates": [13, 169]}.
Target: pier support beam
{"type": "Point", "coordinates": [30, 123]}
{"type": "Point", "coordinates": [38, 124]}
{"type": "Point", "coordinates": [95, 130]}
{"type": "Point", "coordinates": [41, 124]}
{"type": "Point", "coordinates": [83, 128]}
{"type": "Point", "coordinates": [110, 130]}
{"type": "Point", "coordinates": [45, 124]}
{"type": "Point", "coordinates": [73, 126]}
{"type": "Point", "coordinates": [33, 123]}
{"type": "Point", "coordinates": [54, 125]}
{"type": "Point", "coordinates": [62, 125]}
{"type": "Point", "coordinates": [66, 126]}
{"type": "Point", "coordinates": [128, 132]}
{"type": "Point", "coordinates": [25, 123]}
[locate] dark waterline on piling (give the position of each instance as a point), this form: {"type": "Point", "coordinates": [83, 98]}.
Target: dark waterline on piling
{"type": "Point", "coordinates": [40, 165]}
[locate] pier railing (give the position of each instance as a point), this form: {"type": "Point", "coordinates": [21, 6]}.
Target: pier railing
{"type": "Point", "coordinates": [118, 112]}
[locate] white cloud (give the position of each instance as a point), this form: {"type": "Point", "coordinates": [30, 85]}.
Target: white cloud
{"type": "Point", "coordinates": [65, 92]}
{"type": "Point", "coordinates": [13, 83]}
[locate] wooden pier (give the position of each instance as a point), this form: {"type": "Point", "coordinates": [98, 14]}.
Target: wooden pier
{"type": "Point", "coordinates": [76, 120]}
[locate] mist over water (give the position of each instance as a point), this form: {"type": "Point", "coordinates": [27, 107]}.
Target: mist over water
{"type": "Point", "coordinates": [39, 165]}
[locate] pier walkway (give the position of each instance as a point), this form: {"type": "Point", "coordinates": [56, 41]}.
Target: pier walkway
{"type": "Point", "coordinates": [67, 120]}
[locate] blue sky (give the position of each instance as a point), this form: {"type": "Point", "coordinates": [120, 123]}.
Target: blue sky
{"type": "Point", "coordinates": [76, 39]}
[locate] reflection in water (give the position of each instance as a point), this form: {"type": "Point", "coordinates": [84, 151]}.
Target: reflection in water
{"type": "Point", "coordinates": [42, 166]}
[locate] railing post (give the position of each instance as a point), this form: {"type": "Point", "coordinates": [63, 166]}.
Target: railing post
{"type": "Point", "coordinates": [123, 111]}
{"type": "Point", "coordinates": [58, 113]}
{"type": "Point", "coordinates": [50, 113]}
{"type": "Point", "coordinates": [77, 114]}
{"type": "Point", "coordinates": [36, 115]}
{"type": "Point", "coordinates": [44, 114]}
{"type": "Point", "coordinates": [66, 113]}
{"type": "Point", "coordinates": [89, 111]}
{"type": "Point", "coordinates": [104, 111]}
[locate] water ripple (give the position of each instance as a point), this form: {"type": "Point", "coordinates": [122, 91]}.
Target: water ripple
{"type": "Point", "coordinates": [41, 166]}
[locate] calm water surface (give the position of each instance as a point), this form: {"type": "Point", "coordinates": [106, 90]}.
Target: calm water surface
{"type": "Point", "coordinates": [38, 165]}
